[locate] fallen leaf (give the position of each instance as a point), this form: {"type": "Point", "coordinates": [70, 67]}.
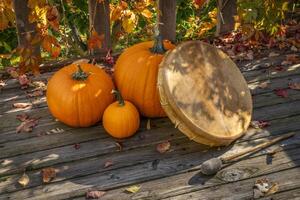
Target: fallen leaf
{"type": "Point", "coordinates": [22, 117]}
{"type": "Point", "coordinates": [48, 174]}
{"type": "Point", "coordinates": [2, 84]}
{"type": "Point", "coordinates": [163, 147]}
{"type": "Point", "coordinates": [94, 194]}
{"type": "Point", "coordinates": [293, 58]}
{"type": "Point", "coordinates": [273, 54]}
{"type": "Point", "coordinates": [249, 55]}
{"type": "Point", "coordinates": [263, 187]}
{"type": "Point", "coordinates": [77, 146]}
{"type": "Point", "coordinates": [55, 131]}
{"type": "Point", "coordinates": [27, 125]}
{"type": "Point", "coordinates": [293, 48]}
{"type": "Point", "coordinates": [39, 85]}
{"type": "Point", "coordinates": [279, 68]}
{"type": "Point", "coordinates": [21, 105]}
{"type": "Point", "coordinates": [35, 93]}
{"type": "Point", "coordinates": [119, 146]}
{"type": "Point", "coordinates": [294, 86]}
{"type": "Point", "coordinates": [281, 92]}
{"type": "Point", "coordinates": [133, 189]}
{"type": "Point", "coordinates": [24, 180]}
{"type": "Point", "coordinates": [260, 124]}
{"type": "Point", "coordinates": [24, 81]}
{"type": "Point", "coordinates": [263, 85]}
{"type": "Point", "coordinates": [12, 72]}
{"type": "Point", "coordinates": [108, 163]}
{"type": "Point", "coordinates": [148, 126]}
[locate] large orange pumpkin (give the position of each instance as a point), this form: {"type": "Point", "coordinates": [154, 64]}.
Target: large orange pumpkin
{"type": "Point", "coordinates": [121, 119]}
{"type": "Point", "coordinates": [78, 94]}
{"type": "Point", "coordinates": [136, 75]}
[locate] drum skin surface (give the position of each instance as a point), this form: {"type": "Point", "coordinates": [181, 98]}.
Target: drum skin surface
{"type": "Point", "coordinates": [204, 93]}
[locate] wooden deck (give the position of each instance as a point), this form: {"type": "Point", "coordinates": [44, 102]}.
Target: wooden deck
{"type": "Point", "coordinates": [172, 175]}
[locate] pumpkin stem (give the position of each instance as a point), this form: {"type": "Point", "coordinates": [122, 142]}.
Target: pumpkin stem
{"type": "Point", "coordinates": [158, 46]}
{"type": "Point", "coordinates": [80, 75]}
{"type": "Point", "coordinates": [119, 97]}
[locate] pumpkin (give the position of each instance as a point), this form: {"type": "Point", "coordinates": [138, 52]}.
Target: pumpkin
{"type": "Point", "coordinates": [78, 94]}
{"type": "Point", "coordinates": [121, 119]}
{"type": "Point", "coordinates": [136, 75]}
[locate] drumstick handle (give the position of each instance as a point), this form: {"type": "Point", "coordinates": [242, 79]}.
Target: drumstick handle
{"type": "Point", "coordinates": [258, 147]}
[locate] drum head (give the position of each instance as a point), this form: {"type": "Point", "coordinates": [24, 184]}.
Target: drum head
{"type": "Point", "coordinates": [204, 90]}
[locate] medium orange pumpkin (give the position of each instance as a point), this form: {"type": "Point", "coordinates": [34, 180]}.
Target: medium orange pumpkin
{"type": "Point", "coordinates": [121, 119]}
{"type": "Point", "coordinates": [78, 94]}
{"type": "Point", "coordinates": [136, 75]}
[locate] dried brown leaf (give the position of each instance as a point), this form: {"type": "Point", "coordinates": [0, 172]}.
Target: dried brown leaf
{"type": "Point", "coordinates": [21, 105]}
{"type": "Point", "coordinates": [35, 93]}
{"type": "Point", "coordinates": [119, 146]}
{"type": "Point", "coordinates": [22, 117]}
{"type": "Point", "coordinates": [48, 174]}
{"type": "Point", "coordinates": [263, 85]}
{"type": "Point", "coordinates": [281, 93]}
{"type": "Point", "coordinates": [23, 80]}
{"type": "Point", "coordinates": [94, 194]}
{"type": "Point", "coordinates": [108, 163]}
{"type": "Point", "coordinates": [163, 147]}
{"type": "Point", "coordinates": [27, 125]}
{"type": "Point", "coordinates": [259, 124]}
{"type": "Point", "coordinates": [294, 86]}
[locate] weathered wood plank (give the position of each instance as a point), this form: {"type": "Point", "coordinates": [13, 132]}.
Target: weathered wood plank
{"type": "Point", "coordinates": [287, 180]}
{"type": "Point", "coordinates": [293, 194]}
{"type": "Point", "coordinates": [193, 180]}
{"type": "Point", "coordinates": [139, 173]}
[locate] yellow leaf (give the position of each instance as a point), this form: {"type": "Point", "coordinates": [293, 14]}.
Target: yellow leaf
{"type": "Point", "coordinates": [24, 180]}
{"type": "Point", "coordinates": [147, 13]}
{"type": "Point", "coordinates": [129, 22]}
{"type": "Point", "coordinates": [133, 189]}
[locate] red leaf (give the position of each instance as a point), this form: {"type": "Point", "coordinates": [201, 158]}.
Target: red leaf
{"type": "Point", "coordinates": [95, 194]}
{"type": "Point", "coordinates": [281, 92]}
{"type": "Point", "coordinates": [77, 146]}
{"type": "Point", "coordinates": [95, 40]}
{"type": "Point", "coordinates": [279, 68]}
{"type": "Point", "coordinates": [163, 147]}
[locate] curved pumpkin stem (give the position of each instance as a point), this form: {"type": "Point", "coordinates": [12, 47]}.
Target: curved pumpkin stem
{"type": "Point", "coordinates": [158, 46]}
{"type": "Point", "coordinates": [119, 97]}
{"type": "Point", "coordinates": [80, 75]}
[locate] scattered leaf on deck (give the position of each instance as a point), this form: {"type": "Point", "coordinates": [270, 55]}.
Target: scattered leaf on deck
{"type": "Point", "coordinates": [39, 85]}
{"type": "Point", "coordinates": [2, 84]}
{"type": "Point", "coordinates": [27, 125]}
{"type": "Point", "coordinates": [21, 105]}
{"type": "Point", "coordinates": [133, 189]}
{"type": "Point", "coordinates": [281, 92]}
{"type": "Point", "coordinates": [279, 68]}
{"type": "Point", "coordinates": [108, 163]}
{"type": "Point", "coordinates": [163, 147]}
{"type": "Point", "coordinates": [260, 124]}
{"type": "Point", "coordinates": [77, 146]}
{"type": "Point", "coordinates": [94, 194]}
{"type": "Point", "coordinates": [24, 180]}
{"type": "Point", "coordinates": [119, 146]}
{"type": "Point", "coordinates": [293, 58]}
{"type": "Point", "coordinates": [22, 117]}
{"type": "Point", "coordinates": [35, 93]}
{"type": "Point", "coordinates": [263, 85]}
{"type": "Point", "coordinates": [263, 187]}
{"type": "Point", "coordinates": [294, 86]}
{"type": "Point", "coordinates": [24, 81]}
{"type": "Point", "coordinates": [48, 174]}
{"type": "Point", "coordinates": [148, 126]}
{"type": "Point", "coordinates": [55, 131]}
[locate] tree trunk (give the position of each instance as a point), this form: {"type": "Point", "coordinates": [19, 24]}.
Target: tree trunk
{"type": "Point", "coordinates": [167, 19]}
{"type": "Point", "coordinates": [227, 9]}
{"type": "Point", "coordinates": [25, 29]}
{"type": "Point", "coordinates": [100, 21]}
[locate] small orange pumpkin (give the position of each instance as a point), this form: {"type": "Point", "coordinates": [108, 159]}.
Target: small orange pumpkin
{"type": "Point", "coordinates": [121, 119]}
{"type": "Point", "coordinates": [78, 94]}
{"type": "Point", "coordinates": [136, 75]}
